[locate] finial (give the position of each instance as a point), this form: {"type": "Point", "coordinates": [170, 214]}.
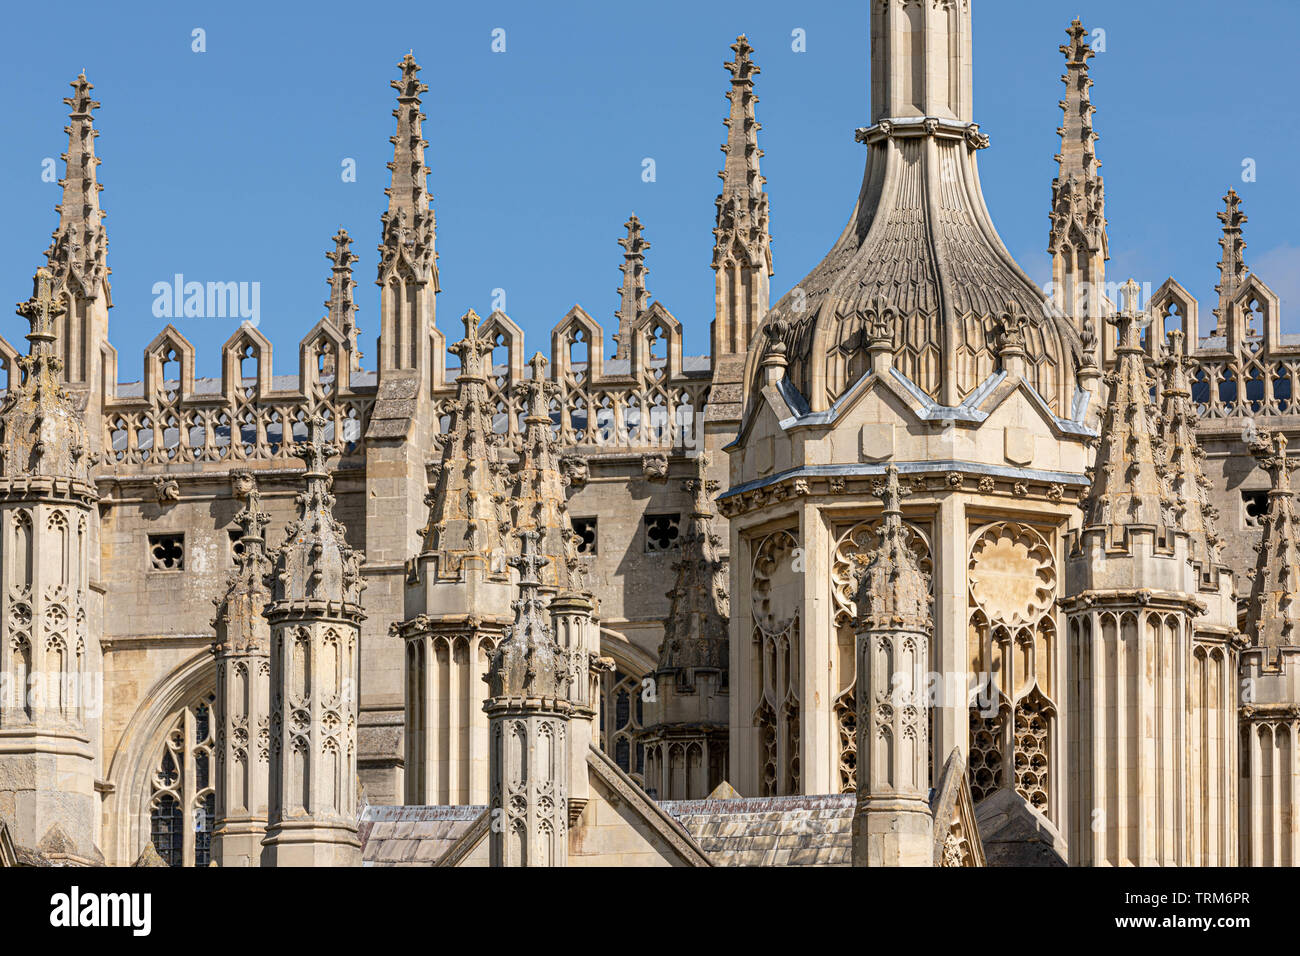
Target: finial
{"type": "Point", "coordinates": [80, 101]}
{"type": "Point", "coordinates": [1129, 291]}
{"type": "Point", "coordinates": [409, 86]}
{"type": "Point", "coordinates": [702, 487]}
{"type": "Point", "coordinates": [471, 348]}
{"type": "Point", "coordinates": [42, 309]}
{"type": "Point", "coordinates": [1011, 331]}
{"type": "Point", "coordinates": [742, 67]}
{"type": "Point", "coordinates": [881, 319]}
{"type": "Point", "coordinates": [528, 562]}
{"type": "Point", "coordinates": [536, 391]}
{"type": "Point", "coordinates": [314, 451]}
{"type": "Point", "coordinates": [890, 491]}
{"type": "Point", "coordinates": [252, 519]}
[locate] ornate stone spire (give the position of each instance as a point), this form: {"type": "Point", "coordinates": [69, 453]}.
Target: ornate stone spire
{"type": "Point", "coordinates": [695, 631]}
{"type": "Point", "coordinates": [741, 235]}
{"type": "Point", "coordinates": [1078, 192]}
{"type": "Point", "coordinates": [408, 191]}
{"type": "Point", "coordinates": [1128, 485]}
{"type": "Point", "coordinates": [341, 310]}
{"type": "Point", "coordinates": [408, 270]}
{"type": "Point", "coordinates": [41, 433]}
{"type": "Point", "coordinates": [893, 592]}
{"type": "Point", "coordinates": [315, 615]}
{"type": "Point", "coordinates": [529, 663]}
{"type": "Point", "coordinates": [242, 647]}
{"type": "Point", "coordinates": [1273, 612]}
{"type": "Point", "coordinates": [529, 709]}
{"type": "Point", "coordinates": [77, 255]}
{"type": "Point", "coordinates": [465, 505]}
{"type": "Point", "coordinates": [539, 501]}
{"type": "Point", "coordinates": [1189, 485]}
{"type": "Point", "coordinates": [892, 823]}
{"type": "Point", "coordinates": [635, 300]}
{"type": "Point", "coordinates": [315, 569]}
{"type": "Point", "coordinates": [240, 624]}
{"type": "Point", "coordinates": [1232, 266]}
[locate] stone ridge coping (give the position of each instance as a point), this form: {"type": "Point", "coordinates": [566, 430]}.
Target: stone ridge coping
{"type": "Point", "coordinates": [832, 801]}
{"type": "Point", "coordinates": [909, 468]}
{"type": "Point", "coordinates": [368, 378]}
{"type": "Point", "coordinates": [420, 814]}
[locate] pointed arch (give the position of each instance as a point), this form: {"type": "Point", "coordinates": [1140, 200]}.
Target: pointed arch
{"type": "Point", "coordinates": [168, 346]}
{"type": "Point", "coordinates": [246, 343]}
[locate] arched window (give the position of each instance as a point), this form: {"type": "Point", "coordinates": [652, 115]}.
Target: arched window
{"type": "Point", "coordinates": [183, 802]}
{"type": "Point", "coordinates": [620, 721]}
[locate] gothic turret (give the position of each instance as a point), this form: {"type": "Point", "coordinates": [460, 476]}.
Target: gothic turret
{"type": "Point", "coordinates": [528, 710]}
{"type": "Point", "coordinates": [242, 648]}
{"type": "Point", "coordinates": [633, 298]}
{"type": "Point", "coordinates": [1134, 602]}
{"type": "Point", "coordinates": [892, 821]}
{"type": "Point", "coordinates": [686, 719]}
{"type": "Point", "coordinates": [742, 253]}
{"type": "Point", "coordinates": [315, 616]}
{"type": "Point", "coordinates": [539, 497]}
{"type": "Point", "coordinates": [51, 669]}
{"type": "Point", "coordinates": [1270, 674]}
{"type": "Point", "coordinates": [1077, 242]}
{"type": "Point", "coordinates": [457, 594]}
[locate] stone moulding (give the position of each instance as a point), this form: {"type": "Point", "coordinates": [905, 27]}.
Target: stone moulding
{"type": "Point", "coordinates": [926, 477]}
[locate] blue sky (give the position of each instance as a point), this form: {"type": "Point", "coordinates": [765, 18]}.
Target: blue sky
{"type": "Point", "coordinates": [225, 165]}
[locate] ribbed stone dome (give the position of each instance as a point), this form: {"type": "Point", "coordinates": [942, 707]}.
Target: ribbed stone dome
{"type": "Point", "coordinates": [920, 239]}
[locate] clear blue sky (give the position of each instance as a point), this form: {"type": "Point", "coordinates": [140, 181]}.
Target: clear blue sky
{"type": "Point", "coordinates": [225, 165]}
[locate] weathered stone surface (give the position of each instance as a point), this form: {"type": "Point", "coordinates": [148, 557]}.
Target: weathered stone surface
{"type": "Point", "coordinates": [1015, 834]}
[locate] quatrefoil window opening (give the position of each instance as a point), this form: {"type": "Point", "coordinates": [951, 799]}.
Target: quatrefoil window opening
{"type": "Point", "coordinates": [662, 532]}
{"type": "Point", "coordinates": [167, 552]}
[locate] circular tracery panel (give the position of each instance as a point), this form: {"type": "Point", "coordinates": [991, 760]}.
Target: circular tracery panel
{"type": "Point", "coordinates": [776, 584]}
{"type": "Point", "coordinates": [861, 539]}
{"type": "Point", "coordinates": [1012, 574]}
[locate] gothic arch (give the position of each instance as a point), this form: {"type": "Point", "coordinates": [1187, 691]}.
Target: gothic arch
{"type": "Point", "coordinates": [141, 745]}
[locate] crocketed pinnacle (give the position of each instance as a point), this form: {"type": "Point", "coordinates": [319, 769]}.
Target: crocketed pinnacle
{"type": "Point", "coordinates": [1078, 193]}
{"type": "Point", "coordinates": [539, 501]}
{"type": "Point", "coordinates": [632, 294]}
{"type": "Point", "coordinates": [465, 505]}
{"type": "Point", "coordinates": [315, 570]}
{"type": "Point", "coordinates": [695, 631]}
{"type": "Point", "coordinates": [1128, 485]}
{"type": "Point", "coordinates": [893, 591]}
{"type": "Point", "coordinates": [1189, 485]}
{"type": "Point", "coordinates": [78, 252]}
{"type": "Point", "coordinates": [1273, 612]}
{"type": "Point", "coordinates": [408, 225]}
{"type": "Point", "coordinates": [341, 310]}
{"type": "Point", "coordinates": [1232, 265]}
{"type": "Point", "coordinates": [529, 662]}
{"type": "Point", "coordinates": [741, 234]}
{"type": "Point", "coordinates": [240, 624]}
{"type": "Point", "coordinates": [41, 433]}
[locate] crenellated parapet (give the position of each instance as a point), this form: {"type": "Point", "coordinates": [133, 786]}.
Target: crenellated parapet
{"type": "Point", "coordinates": [651, 400]}
{"type": "Point", "coordinates": [247, 415]}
